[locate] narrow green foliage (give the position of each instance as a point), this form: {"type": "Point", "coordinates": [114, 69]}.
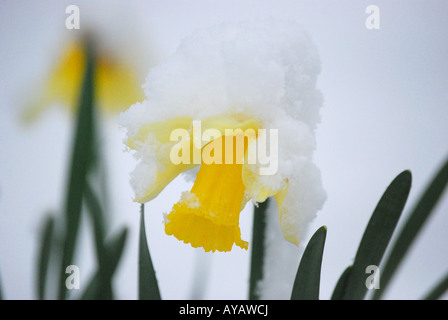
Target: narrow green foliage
{"type": "Point", "coordinates": [378, 234]}
{"type": "Point", "coordinates": [97, 216]}
{"type": "Point", "coordinates": [148, 288]}
{"type": "Point", "coordinates": [411, 228]}
{"type": "Point", "coordinates": [339, 290]}
{"type": "Point", "coordinates": [438, 290]}
{"type": "Point", "coordinates": [307, 282]}
{"type": "Point", "coordinates": [79, 167]}
{"type": "Point", "coordinates": [44, 256]}
{"type": "Point", "coordinates": [103, 254]}
{"type": "Point", "coordinates": [258, 245]}
{"type": "Point", "coordinates": [100, 286]}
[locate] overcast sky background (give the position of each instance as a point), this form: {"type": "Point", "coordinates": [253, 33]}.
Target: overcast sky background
{"type": "Point", "coordinates": [385, 110]}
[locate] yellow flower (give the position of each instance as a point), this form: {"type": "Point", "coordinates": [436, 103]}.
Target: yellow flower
{"type": "Point", "coordinates": [211, 208]}
{"type": "Point", "coordinates": [208, 215]}
{"type": "Point", "coordinates": [116, 84]}
{"type": "Point", "coordinates": [258, 77]}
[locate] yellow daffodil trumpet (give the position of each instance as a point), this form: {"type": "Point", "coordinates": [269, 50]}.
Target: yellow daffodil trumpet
{"type": "Point", "coordinates": [208, 215]}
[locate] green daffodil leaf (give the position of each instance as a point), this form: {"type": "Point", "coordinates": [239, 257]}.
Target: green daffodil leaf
{"type": "Point", "coordinates": [100, 286]}
{"type": "Point", "coordinates": [338, 293]}
{"type": "Point", "coordinates": [438, 290]}
{"type": "Point", "coordinates": [307, 282]}
{"type": "Point", "coordinates": [412, 226]}
{"type": "Point", "coordinates": [79, 167]}
{"type": "Point", "coordinates": [148, 289]}
{"type": "Point", "coordinates": [46, 241]}
{"type": "Point", "coordinates": [377, 235]}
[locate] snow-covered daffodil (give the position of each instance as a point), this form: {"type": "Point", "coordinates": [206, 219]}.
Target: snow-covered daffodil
{"type": "Point", "coordinates": [237, 83]}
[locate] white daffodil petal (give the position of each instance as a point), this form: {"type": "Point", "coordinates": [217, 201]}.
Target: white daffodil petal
{"type": "Point", "coordinates": [154, 144]}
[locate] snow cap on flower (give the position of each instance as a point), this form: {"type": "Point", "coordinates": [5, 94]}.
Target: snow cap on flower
{"type": "Point", "coordinates": [259, 74]}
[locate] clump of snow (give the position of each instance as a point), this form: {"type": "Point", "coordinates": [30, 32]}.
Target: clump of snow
{"type": "Point", "coordinates": [281, 260]}
{"type": "Point", "coordinates": [264, 68]}
{"type": "Point", "coordinates": [190, 199]}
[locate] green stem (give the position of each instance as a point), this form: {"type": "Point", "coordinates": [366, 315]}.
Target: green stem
{"type": "Point", "coordinates": [258, 246]}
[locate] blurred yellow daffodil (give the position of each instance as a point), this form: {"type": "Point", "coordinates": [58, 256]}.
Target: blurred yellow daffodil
{"type": "Point", "coordinates": [116, 84]}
